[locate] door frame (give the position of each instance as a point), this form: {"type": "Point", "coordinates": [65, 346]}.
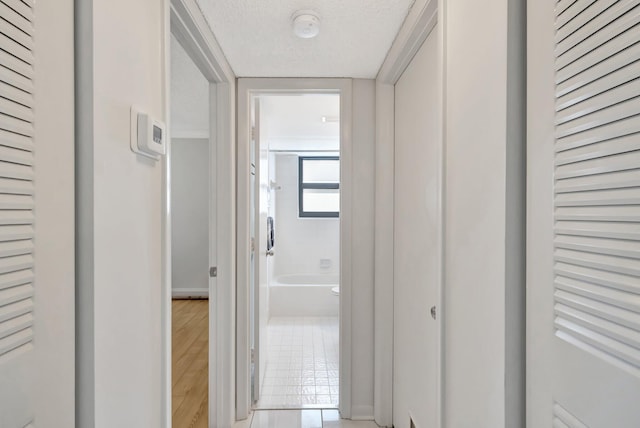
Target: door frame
{"type": "Point", "coordinates": [184, 19]}
{"type": "Point", "coordinates": [540, 148]}
{"type": "Point", "coordinates": [418, 25]}
{"type": "Point", "coordinates": [247, 87]}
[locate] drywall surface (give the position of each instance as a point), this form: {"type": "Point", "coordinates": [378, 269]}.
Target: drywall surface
{"type": "Point", "coordinates": [190, 217]}
{"type": "Point", "coordinates": [362, 235]}
{"type": "Point", "coordinates": [301, 243]}
{"type": "Point", "coordinates": [189, 96]}
{"type": "Point", "coordinates": [119, 208]}
{"type": "Point", "coordinates": [417, 244]}
{"type": "Point", "coordinates": [479, 141]}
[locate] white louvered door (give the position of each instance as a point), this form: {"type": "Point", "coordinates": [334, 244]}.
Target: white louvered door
{"type": "Point", "coordinates": [36, 214]}
{"type": "Point", "coordinates": [584, 214]}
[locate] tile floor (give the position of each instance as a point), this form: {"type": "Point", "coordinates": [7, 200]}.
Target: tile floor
{"type": "Point", "coordinates": [302, 364]}
{"type": "Point", "coordinates": [301, 418]}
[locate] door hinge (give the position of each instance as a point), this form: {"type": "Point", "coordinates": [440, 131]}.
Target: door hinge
{"type": "Point", "coordinates": [253, 356]}
{"type": "Point", "coordinates": [213, 272]}
{"type": "Point", "coordinates": [433, 312]}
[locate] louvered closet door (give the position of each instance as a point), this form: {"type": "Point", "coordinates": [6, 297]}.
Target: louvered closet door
{"type": "Point", "coordinates": [594, 244]}
{"type": "Point", "coordinates": [16, 213]}
{"type": "Point", "coordinates": [28, 320]}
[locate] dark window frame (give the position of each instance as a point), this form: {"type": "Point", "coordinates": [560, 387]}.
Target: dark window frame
{"type": "Point", "coordinates": [302, 186]}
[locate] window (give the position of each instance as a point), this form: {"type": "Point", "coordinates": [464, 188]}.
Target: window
{"type": "Point", "coordinates": [319, 186]}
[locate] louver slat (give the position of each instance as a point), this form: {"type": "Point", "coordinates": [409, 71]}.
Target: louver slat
{"type": "Point", "coordinates": [597, 182]}
{"type": "Point", "coordinates": [21, 7]}
{"type": "Point", "coordinates": [564, 419]}
{"type": "Point", "coordinates": [16, 177]}
{"type": "Point", "coordinates": [628, 55]}
{"type": "Point", "coordinates": [568, 40]}
{"type": "Point", "coordinates": [597, 35]}
{"type": "Point", "coordinates": [572, 11]}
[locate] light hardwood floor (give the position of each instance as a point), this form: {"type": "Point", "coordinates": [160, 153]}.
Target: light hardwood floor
{"type": "Point", "coordinates": [190, 343]}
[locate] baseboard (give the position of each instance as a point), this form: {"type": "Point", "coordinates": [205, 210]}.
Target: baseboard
{"type": "Point", "coordinates": [361, 413]}
{"type": "Point", "coordinates": [190, 293]}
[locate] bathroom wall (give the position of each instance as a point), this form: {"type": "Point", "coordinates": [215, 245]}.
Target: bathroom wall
{"type": "Point", "coordinates": [295, 123]}
{"type": "Point", "coordinates": [301, 243]}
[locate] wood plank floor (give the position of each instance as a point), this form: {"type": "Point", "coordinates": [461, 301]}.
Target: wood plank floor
{"type": "Point", "coordinates": [190, 353]}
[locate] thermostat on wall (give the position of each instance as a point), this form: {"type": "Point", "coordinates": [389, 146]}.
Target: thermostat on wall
{"type": "Point", "coordinates": [148, 135]}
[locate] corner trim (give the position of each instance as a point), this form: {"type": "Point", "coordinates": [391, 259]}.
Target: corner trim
{"type": "Point", "coordinates": [414, 31]}
{"type": "Point", "coordinates": [418, 25]}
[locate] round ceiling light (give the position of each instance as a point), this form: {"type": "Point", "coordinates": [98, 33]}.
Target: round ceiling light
{"type": "Point", "coordinates": [306, 24]}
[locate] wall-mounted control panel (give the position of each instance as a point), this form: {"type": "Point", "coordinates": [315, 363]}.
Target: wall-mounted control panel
{"type": "Point", "coordinates": [148, 135]}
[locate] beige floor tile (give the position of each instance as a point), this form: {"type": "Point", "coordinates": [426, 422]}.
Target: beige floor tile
{"type": "Point", "coordinates": [287, 419]}
{"type": "Point", "coordinates": [331, 419]}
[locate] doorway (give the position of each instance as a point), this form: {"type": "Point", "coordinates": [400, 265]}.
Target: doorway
{"type": "Point", "coordinates": [193, 34]}
{"type": "Point", "coordinates": [271, 310]}
{"type": "Point", "coordinates": [295, 262]}
{"type": "Point", "coordinates": [192, 165]}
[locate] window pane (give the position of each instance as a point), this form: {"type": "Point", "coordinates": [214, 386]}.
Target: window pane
{"type": "Point", "coordinates": [321, 200]}
{"type": "Point", "coordinates": [320, 171]}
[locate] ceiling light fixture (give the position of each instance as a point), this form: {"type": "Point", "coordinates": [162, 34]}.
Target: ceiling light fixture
{"type": "Point", "coordinates": [306, 24]}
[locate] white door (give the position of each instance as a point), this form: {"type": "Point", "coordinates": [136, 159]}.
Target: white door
{"type": "Point", "coordinates": [583, 255]}
{"type": "Point", "coordinates": [417, 242]}
{"type": "Point", "coordinates": [261, 283]}
{"type": "Point", "coordinates": [36, 214]}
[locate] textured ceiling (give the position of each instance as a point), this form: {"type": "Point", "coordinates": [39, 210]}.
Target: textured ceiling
{"type": "Point", "coordinates": [257, 39]}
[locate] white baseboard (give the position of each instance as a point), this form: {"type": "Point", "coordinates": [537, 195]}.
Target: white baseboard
{"type": "Point", "coordinates": [361, 413]}
{"type": "Point", "coordinates": [186, 293]}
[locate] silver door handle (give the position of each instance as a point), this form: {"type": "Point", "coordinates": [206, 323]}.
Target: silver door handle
{"type": "Point", "coordinates": [270, 253]}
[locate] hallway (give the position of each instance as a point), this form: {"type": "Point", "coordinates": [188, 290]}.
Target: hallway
{"type": "Point", "coordinates": [326, 418]}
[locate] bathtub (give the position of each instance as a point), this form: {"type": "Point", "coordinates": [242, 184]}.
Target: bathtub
{"type": "Point", "coordinates": [303, 295]}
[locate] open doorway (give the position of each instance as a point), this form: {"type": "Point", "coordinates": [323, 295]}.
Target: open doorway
{"type": "Point", "coordinates": [194, 42]}
{"type": "Point", "coordinates": [295, 262]}
{"type": "Point", "coordinates": [190, 192]}
{"type": "Point", "coordinates": [252, 259]}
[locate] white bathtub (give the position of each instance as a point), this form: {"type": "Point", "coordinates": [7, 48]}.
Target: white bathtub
{"type": "Point", "coordinates": [303, 295]}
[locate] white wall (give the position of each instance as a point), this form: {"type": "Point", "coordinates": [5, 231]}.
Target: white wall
{"type": "Point", "coordinates": [483, 243]}
{"type": "Point", "coordinates": [301, 242]}
{"type": "Point", "coordinates": [120, 62]}
{"type": "Point", "coordinates": [189, 96]}
{"type": "Point", "coordinates": [295, 123]}
{"type": "Point", "coordinates": [190, 217]}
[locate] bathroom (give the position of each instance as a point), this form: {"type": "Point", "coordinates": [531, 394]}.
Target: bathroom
{"type": "Point", "coordinates": [297, 140]}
